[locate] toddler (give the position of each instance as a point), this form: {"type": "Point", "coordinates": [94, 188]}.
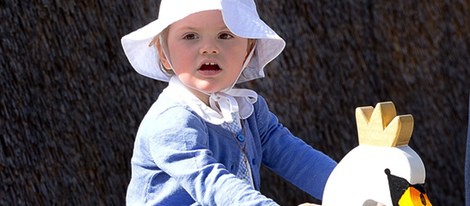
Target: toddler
{"type": "Point", "coordinates": [203, 141]}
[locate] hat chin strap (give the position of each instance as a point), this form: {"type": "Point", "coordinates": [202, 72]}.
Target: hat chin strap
{"type": "Point", "coordinates": [229, 101]}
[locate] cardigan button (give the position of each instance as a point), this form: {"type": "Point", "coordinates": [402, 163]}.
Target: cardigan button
{"type": "Point", "coordinates": [241, 138]}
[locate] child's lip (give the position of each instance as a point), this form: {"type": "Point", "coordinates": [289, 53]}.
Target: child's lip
{"type": "Point", "coordinates": [209, 65]}
{"type": "Point", "coordinates": [209, 69]}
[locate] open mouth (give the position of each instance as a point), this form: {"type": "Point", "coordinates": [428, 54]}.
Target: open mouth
{"type": "Point", "coordinates": [209, 67]}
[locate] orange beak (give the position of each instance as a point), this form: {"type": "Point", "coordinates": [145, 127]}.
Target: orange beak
{"type": "Point", "coordinates": [414, 197]}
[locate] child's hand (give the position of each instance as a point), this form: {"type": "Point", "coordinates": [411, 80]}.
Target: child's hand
{"type": "Point", "coordinates": [308, 204]}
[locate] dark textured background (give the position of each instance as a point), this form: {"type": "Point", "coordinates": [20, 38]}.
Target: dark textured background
{"type": "Point", "coordinates": [71, 103]}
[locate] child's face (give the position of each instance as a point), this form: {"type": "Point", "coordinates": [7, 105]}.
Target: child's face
{"type": "Point", "coordinates": [205, 55]}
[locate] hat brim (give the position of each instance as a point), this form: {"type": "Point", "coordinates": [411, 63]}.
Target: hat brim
{"type": "Point", "coordinates": [240, 17]}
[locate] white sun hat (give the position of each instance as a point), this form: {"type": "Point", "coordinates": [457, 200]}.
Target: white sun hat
{"type": "Point", "coordinates": [240, 16]}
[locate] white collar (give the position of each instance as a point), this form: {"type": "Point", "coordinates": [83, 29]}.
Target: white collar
{"type": "Point", "coordinates": [222, 104]}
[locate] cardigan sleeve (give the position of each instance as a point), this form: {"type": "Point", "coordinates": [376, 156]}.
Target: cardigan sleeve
{"type": "Point", "coordinates": [289, 156]}
{"type": "Point", "coordinates": [179, 147]}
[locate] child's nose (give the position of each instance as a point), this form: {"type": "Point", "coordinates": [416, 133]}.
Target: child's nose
{"type": "Point", "coordinates": [209, 47]}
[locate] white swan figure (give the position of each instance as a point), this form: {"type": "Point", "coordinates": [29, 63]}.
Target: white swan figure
{"type": "Point", "coordinates": [383, 169]}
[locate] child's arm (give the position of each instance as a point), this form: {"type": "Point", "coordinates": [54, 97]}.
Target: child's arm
{"type": "Point", "coordinates": [183, 153]}
{"type": "Point", "coordinates": [290, 157]}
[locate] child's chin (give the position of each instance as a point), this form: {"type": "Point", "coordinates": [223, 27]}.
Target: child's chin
{"type": "Point", "coordinates": [210, 88]}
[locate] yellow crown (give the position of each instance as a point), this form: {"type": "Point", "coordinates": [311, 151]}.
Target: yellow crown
{"type": "Point", "coordinates": [382, 127]}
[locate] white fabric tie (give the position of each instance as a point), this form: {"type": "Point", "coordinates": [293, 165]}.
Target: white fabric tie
{"type": "Point", "coordinates": [238, 101]}
{"type": "Point", "coordinates": [221, 104]}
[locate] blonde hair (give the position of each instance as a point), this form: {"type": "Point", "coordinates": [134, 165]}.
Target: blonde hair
{"type": "Point", "coordinates": [160, 40]}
